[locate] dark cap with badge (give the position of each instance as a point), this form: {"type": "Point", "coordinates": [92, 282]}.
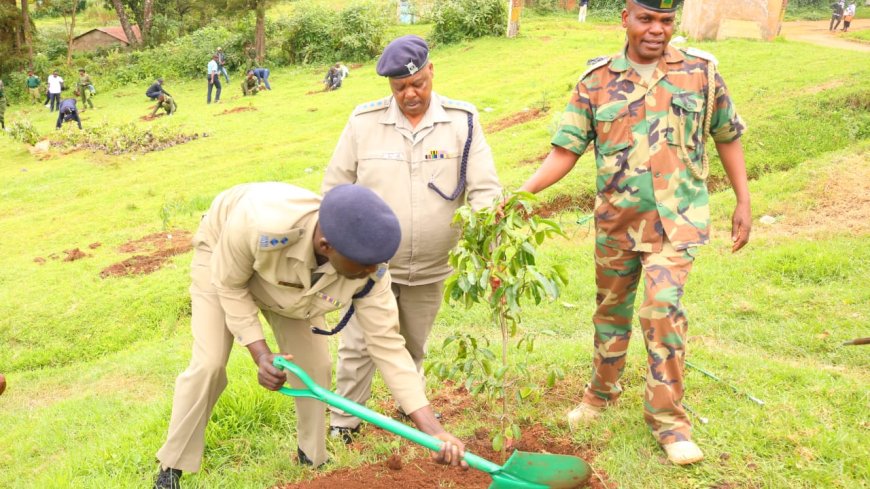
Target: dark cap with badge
{"type": "Point", "coordinates": [403, 57]}
{"type": "Point", "coordinates": [659, 5]}
{"type": "Point", "coordinates": [359, 224]}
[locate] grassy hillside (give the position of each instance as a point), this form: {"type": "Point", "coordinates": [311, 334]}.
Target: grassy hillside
{"type": "Point", "coordinates": [91, 362]}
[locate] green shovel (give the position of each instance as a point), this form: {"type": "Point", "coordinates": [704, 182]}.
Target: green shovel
{"type": "Point", "coordinates": [523, 470]}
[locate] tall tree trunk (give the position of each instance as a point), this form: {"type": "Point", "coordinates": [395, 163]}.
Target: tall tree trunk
{"type": "Point", "coordinates": [147, 19]}
{"type": "Point", "coordinates": [125, 22]}
{"type": "Point", "coordinates": [260, 36]}
{"type": "Point", "coordinates": [71, 32]}
{"type": "Point", "coordinates": [515, 7]}
{"type": "Point", "coordinates": [25, 24]}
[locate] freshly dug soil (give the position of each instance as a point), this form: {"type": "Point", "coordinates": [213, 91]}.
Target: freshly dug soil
{"type": "Point", "coordinates": [160, 247]}
{"type": "Point", "coordinates": [2, 383]}
{"type": "Point", "coordinates": [565, 203]}
{"type": "Point", "coordinates": [404, 470]}
{"type": "Point", "coordinates": [411, 467]}
{"type": "Point", "coordinates": [74, 254]}
{"type": "Point", "coordinates": [514, 119]}
{"type": "Point", "coordinates": [236, 110]}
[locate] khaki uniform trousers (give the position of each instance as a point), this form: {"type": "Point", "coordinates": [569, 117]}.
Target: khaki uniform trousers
{"type": "Point", "coordinates": [664, 324]}
{"type": "Point", "coordinates": [418, 306]}
{"type": "Point", "coordinates": [198, 388]}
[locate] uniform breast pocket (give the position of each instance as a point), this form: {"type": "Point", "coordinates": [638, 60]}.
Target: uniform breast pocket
{"type": "Point", "coordinates": [613, 128]}
{"type": "Point", "coordinates": [381, 167]}
{"type": "Point", "coordinates": [442, 169]}
{"type": "Point", "coordinates": [685, 120]}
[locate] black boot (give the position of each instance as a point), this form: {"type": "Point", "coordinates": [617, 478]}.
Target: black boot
{"type": "Point", "coordinates": [304, 460]}
{"type": "Point", "coordinates": [168, 479]}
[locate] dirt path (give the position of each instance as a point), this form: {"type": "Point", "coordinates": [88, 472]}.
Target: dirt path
{"type": "Point", "coordinates": [816, 32]}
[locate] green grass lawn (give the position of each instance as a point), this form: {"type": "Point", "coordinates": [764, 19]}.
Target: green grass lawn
{"type": "Point", "coordinates": [91, 362]}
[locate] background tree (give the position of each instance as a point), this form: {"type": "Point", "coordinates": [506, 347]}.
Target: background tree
{"type": "Point", "coordinates": [125, 22]}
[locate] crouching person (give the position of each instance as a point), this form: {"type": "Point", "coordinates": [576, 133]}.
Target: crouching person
{"type": "Point", "coordinates": [294, 256]}
{"type": "Point", "coordinates": [250, 85]}
{"type": "Point", "coordinates": [68, 112]}
{"type": "Point", "coordinates": [166, 103]}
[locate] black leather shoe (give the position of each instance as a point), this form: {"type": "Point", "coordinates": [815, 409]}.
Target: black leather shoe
{"type": "Point", "coordinates": [345, 434]}
{"type": "Point", "coordinates": [168, 479]}
{"type": "Point", "coordinates": [304, 460]}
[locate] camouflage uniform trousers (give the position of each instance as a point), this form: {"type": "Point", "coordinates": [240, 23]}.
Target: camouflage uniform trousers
{"type": "Point", "coordinates": [85, 95]}
{"type": "Point", "coordinates": [664, 325]}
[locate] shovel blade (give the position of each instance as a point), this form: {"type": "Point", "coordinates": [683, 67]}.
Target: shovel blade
{"type": "Point", "coordinates": [526, 470]}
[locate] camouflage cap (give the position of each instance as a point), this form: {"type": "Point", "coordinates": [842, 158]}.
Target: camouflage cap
{"type": "Point", "coordinates": [659, 5]}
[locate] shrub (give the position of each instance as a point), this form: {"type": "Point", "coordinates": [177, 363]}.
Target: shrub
{"type": "Point", "coordinates": [457, 20]}
{"type": "Point", "coordinates": [23, 131]}
{"type": "Point", "coordinates": [318, 34]}
{"type": "Point", "coordinates": [118, 139]}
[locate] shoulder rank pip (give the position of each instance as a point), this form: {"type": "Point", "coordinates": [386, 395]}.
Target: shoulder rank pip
{"type": "Point", "coordinates": [372, 106]}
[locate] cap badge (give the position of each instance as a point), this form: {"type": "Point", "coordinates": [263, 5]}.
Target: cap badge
{"type": "Point", "coordinates": [412, 68]}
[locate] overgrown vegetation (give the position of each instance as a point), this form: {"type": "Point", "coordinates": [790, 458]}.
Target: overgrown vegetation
{"type": "Point", "coordinates": [110, 138]}
{"type": "Point", "coordinates": [316, 33]}
{"type": "Point", "coordinates": [458, 20]}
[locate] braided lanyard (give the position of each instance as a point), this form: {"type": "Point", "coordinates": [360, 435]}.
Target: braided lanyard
{"type": "Point", "coordinates": [341, 324]}
{"type": "Point", "coordinates": [704, 171]}
{"type": "Point", "coordinates": [463, 167]}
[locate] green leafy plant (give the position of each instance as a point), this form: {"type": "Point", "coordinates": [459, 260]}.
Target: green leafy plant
{"type": "Point", "coordinates": [496, 263]}
{"type": "Point", "coordinates": [457, 20]}
{"type": "Point", "coordinates": [23, 131]}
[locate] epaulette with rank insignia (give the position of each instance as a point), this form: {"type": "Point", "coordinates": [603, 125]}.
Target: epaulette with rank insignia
{"type": "Point", "coordinates": [458, 104]}
{"type": "Point", "coordinates": [372, 106]}
{"type": "Point", "coordinates": [593, 64]}
{"type": "Point", "coordinates": [277, 241]}
{"type": "Point", "coordinates": [699, 53]}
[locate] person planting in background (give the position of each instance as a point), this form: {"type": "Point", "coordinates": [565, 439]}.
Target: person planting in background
{"type": "Point", "coordinates": [155, 90]}
{"type": "Point", "coordinates": [85, 89]}
{"type": "Point", "coordinates": [646, 111]}
{"type": "Point", "coordinates": [67, 111]}
{"type": "Point", "coordinates": [55, 86]}
{"type": "Point", "coordinates": [33, 87]}
{"type": "Point", "coordinates": [410, 148]}
{"type": "Point", "coordinates": [293, 256]}
{"type": "Point", "coordinates": [250, 85]}
{"type": "Point", "coordinates": [222, 61]}
{"type": "Point", "coordinates": [262, 75]}
{"type": "Point", "coordinates": [166, 103]}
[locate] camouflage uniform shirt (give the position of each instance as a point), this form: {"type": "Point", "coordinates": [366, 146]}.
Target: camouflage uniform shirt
{"type": "Point", "coordinates": [645, 136]}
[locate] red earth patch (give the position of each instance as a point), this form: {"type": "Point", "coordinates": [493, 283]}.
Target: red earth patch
{"type": "Point", "coordinates": [160, 247]}
{"type": "Point", "coordinates": [515, 119]}
{"type": "Point", "coordinates": [562, 203]}
{"type": "Point", "coordinates": [236, 110]}
{"type": "Point", "coordinates": [74, 254]}
{"type": "Point", "coordinates": [412, 466]}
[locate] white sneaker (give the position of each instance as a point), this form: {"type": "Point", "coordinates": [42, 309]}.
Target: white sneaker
{"type": "Point", "coordinates": [683, 452]}
{"type": "Point", "coordinates": [583, 415]}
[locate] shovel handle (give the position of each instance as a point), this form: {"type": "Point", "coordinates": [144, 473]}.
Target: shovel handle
{"type": "Point", "coordinates": [315, 391]}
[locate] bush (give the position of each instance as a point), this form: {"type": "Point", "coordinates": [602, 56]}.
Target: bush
{"type": "Point", "coordinates": [317, 34]}
{"type": "Point", "coordinates": [457, 20]}
{"type": "Point", "coordinates": [23, 131]}
{"type": "Point", "coordinates": [118, 139]}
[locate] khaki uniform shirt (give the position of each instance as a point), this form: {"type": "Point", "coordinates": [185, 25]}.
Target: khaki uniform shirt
{"type": "Point", "coordinates": [260, 236]}
{"type": "Point", "coordinates": [646, 134]}
{"type": "Point", "coordinates": [379, 149]}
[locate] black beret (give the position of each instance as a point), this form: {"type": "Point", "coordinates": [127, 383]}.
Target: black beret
{"type": "Point", "coordinates": [359, 224]}
{"type": "Point", "coordinates": [659, 5]}
{"type": "Point", "coordinates": [403, 57]}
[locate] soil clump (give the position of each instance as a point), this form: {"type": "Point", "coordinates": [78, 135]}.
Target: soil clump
{"type": "Point", "coordinates": [515, 119]}
{"type": "Point", "coordinates": [236, 110]}
{"type": "Point", "coordinates": [158, 248]}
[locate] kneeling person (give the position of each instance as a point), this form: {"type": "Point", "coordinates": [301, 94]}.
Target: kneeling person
{"type": "Point", "coordinates": [250, 85]}
{"type": "Point", "coordinates": [166, 103]}
{"type": "Point", "coordinates": [294, 256]}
